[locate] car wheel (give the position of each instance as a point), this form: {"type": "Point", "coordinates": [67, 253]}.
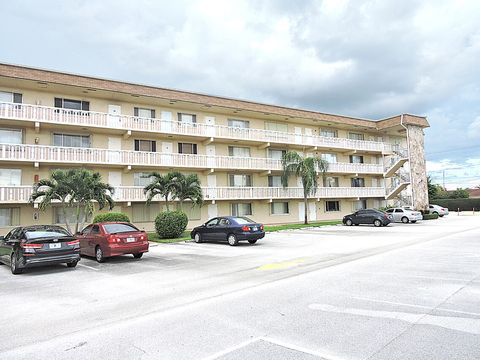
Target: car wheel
{"type": "Point", "coordinates": [99, 254]}
{"type": "Point", "coordinates": [14, 264]}
{"type": "Point", "coordinates": [435, 212]}
{"type": "Point", "coordinates": [232, 240]}
{"type": "Point", "coordinates": [349, 222]}
{"type": "Point", "coordinates": [197, 237]}
{"type": "Point", "coordinates": [441, 215]}
{"type": "Point", "coordinates": [72, 264]}
{"type": "Point", "coordinates": [414, 221]}
{"type": "Point", "coordinates": [377, 223]}
{"type": "Point", "coordinates": [405, 220]}
{"type": "Point", "coordinates": [138, 256]}
{"type": "Point", "coordinates": [252, 241]}
{"type": "Point", "coordinates": [357, 224]}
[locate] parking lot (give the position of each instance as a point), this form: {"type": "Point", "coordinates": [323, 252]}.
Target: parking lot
{"type": "Point", "coordinates": [184, 298]}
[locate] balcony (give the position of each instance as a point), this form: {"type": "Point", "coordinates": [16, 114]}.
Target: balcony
{"type": "Point", "coordinates": [91, 119]}
{"type": "Point", "coordinates": [79, 156]}
{"type": "Point", "coordinates": [21, 194]}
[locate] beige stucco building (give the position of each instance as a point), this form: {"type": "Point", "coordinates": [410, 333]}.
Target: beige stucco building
{"type": "Point", "coordinates": [51, 120]}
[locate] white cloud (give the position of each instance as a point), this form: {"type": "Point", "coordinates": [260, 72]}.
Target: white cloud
{"type": "Point", "coordinates": [473, 131]}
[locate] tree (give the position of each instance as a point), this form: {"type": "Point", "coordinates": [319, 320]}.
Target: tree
{"type": "Point", "coordinates": [307, 168]}
{"type": "Point", "coordinates": [432, 188]}
{"type": "Point", "coordinates": [459, 194]}
{"type": "Point", "coordinates": [186, 188]}
{"type": "Point", "coordinates": [161, 185]}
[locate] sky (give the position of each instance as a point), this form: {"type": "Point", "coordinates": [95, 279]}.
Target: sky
{"type": "Point", "coordinates": [362, 58]}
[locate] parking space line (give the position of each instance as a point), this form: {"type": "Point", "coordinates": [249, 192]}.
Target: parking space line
{"type": "Point", "coordinates": [88, 267]}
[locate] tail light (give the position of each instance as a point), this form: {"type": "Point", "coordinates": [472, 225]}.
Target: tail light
{"type": "Point", "coordinates": [113, 239]}
{"type": "Point", "coordinates": [245, 228]}
{"type": "Point", "coordinates": [74, 243]}
{"type": "Point", "coordinates": [30, 248]}
{"type": "Point", "coordinates": [261, 227]}
{"type": "Point", "coordinates": [442, 209]}
{"type": "Point", "coordinates": [142, 237]}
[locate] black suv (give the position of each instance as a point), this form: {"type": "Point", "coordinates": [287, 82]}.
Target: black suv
{"type": "Point", "coordinates": [368, 216]}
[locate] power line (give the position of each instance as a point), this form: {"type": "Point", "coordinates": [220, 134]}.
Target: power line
{"type": "Point", "coordinates": [452, 150]}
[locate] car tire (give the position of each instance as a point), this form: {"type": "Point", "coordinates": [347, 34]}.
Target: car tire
{"type": "Point", "coordinates": [405, 220]}
{"type": "Point", "coordinates": [14, 264]}
{"type": "Point", "coordinates": [252, 241]}
{"type": "Point", "coordinates": [441, 215]}
{"type": "Point", "coordinates": [349, 222]}
{"type": "Point", "coordinates": [232, 240]}
{"type": "Point", "coordinates": [99, 256]}
{"type": "Point", "coordinates": [436, 212]}
{"type": "Point", "coordinates": [414, 221]}
{"type": "Point", "coordinates": [197, 238]}
{"type": "Point", "coordinates": [357, 224]}
{"type": "Point", "coordinates": [138, 256]}
{"type": "Point", "coordinates": [377, 223]}
{"type": "Point", "coordinates": [72, 264]}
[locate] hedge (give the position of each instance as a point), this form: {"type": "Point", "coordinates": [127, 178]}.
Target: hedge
{"type": "Point", "coordinates": [455, 204]}
{"type": "Point", "coordinates": [430, 216]}
{"type": "Point", "coordinates": [171, 224]}
{"type": "Point", "coordinates": [111, 216]}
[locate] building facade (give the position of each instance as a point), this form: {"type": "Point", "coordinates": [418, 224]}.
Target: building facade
{"type": "Point", "coordinates": [51, 120]}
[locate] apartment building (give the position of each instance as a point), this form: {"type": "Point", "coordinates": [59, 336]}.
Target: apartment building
{"type": "Point", "coordinates": [52, 120]}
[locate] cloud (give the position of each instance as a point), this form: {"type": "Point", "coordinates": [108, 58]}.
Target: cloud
{"type": "Point", "coordinates": [473, 131]}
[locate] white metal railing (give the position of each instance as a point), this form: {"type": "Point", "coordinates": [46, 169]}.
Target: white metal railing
{"type": "Point", "coordinates": [21, 194]}
{"type": "Point", "coordinates": [47, 114]}
{"type": "Point", "coordinates": [59, 154]}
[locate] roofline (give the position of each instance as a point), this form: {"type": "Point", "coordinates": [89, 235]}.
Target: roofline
{"type": "Point", "coordinates": [269, 108]}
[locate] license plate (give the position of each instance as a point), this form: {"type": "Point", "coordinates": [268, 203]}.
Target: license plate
{"type": "Point", "coordinates": [55, 246]}
{"type": "Point", "coordinates": [130, 239]}
{"type": "Point", "coordinates": [254, 228]}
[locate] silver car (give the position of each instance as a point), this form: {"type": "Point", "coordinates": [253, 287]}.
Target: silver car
{"type": "Point", "coordinates": [405, 215]}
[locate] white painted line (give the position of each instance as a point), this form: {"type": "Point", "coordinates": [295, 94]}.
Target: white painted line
{"type": "Point", "coordinates": [231, 349]}
{"type": "Point", "coordinates": [327, 356]}
{"type": "Point", "coordinates": [88, 267]}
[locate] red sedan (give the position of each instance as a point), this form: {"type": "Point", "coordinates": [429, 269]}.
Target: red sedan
{"type": "Point", "coordinates": [107, 239]}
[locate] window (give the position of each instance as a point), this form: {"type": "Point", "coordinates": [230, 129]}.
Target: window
{"type": "Point", "coordinates": [142, 179]}
{"type": "Point", "coordinates": [235, 123]}
{"type": "Point", "coordinates": [356, 159]}
{"type": "Point", "coordinates": [9, 216]}
{"type": "Point", "coordinates": [241, 209]}
{"type": "Point", "coordinates": [71, 215]}
{"type": "Point", "coordinates": [237, 151]}
{"type": "Point", "coordinates": [11, 136]}
{"type": "Point", "coordinates": [212, 222]}
{"type": "Point", "coordinates": [240, 180]}
{"type": "Point", "coordinates": [189, 119]}
{"type": "Point", "coordinates": [145, 145]}
{"type": "Point", "coordinates": [275, 181]}
{"type": "Point", "coordinates": [187, 148]}
{"type": "Point", "coordinates": [355, 136]}
{"type": "Point", "coordinates": [358, 182]}
{"type": "Point", "coordinates": [332, 206]}
{"type": "Point", "coordinates": [10, 97]}
{"type": "Point", "coordinates": [192, 212]}
{"type": "Point", "coordinates": [330, 181]}
{"type": "Point", "coordinates": [144, 113]}
{"type": "Point", "coordinates": [144, 213]}
{"type": "Point", "coordinates": [119, 228]}
{"type": "Point", "coordinates": [10, 177]}
{"type": "Point", "coordinates": [276, 154]}
{"type": "Point", "coordinates": [279, 208]}
{"type": "Point", "coordinates": [72, 104]}
{"type": "Point", "coordinates": [359, 205]}
{"type": "Point", "coordinates": [331, 158]}
{"type": "Point", "coordinates": [329, 133]}
{"type": "Point", "coordinates": [70, 140]}
{"type": "Point", "coordinates": [398, 210]}
{"type": "Point", "coordinates": [274, 126]}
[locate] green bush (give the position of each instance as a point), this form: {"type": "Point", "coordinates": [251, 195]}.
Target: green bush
{"type": "Point", "coordinates": [110, 216]}
{"type": "Point", "coordinates": [171, 224]}
{"type": "Point", "coordinates": [430, 216]}
{"type": "Point", "coordinates": [455, 204]}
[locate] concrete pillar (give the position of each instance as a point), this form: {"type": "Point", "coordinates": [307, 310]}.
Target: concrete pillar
{"type": "Point", "coordinates": [418, 171]}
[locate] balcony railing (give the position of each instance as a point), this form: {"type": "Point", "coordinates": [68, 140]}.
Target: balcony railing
{"type": "Point", "coordinates": [47, 114]}
{"type": "Point", "coordinates": [21, 194]}
{"type": "Point", "coordinates": [58, 154]}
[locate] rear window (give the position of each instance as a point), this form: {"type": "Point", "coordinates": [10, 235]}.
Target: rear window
{"type": "Point", "coordinates": [119, 228]}
{"type": "Point", "coordinates": [46, 233]}
{"type": "Point", "coordinates": [244, 220]}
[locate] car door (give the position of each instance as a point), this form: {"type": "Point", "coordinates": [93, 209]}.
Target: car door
{"type": "Point", "coordinates": [222, 229]}
{"type": "Point", "coordinates": [6, 246]}
{"type": "Point", "coordinates": [361, 217]}
{"type": "Point", "coordinates": [392, 213]}
{"type": "Point", "coordinates": [208, 232]}
{"type": "Point", "coordinates": [83, 238]}
{"type": "Point", "coordinates": [397, 215]}
{"type": "Point", "coordinates": [95, 238]}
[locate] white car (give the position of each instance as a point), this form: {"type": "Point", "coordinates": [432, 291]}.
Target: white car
{"type": "Point", "coordinates": [405, 215]}
{"type": "Point", "coordinates": [435, 209]}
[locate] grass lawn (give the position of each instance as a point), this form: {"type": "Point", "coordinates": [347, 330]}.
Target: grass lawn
{"type": "Point", "coordinates": [152, 236]}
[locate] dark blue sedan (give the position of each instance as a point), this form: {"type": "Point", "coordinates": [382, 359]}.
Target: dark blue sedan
{"type": "Point", "coordinates": [229, 228]}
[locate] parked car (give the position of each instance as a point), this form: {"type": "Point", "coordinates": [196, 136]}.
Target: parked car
{"type": "Point", "coordinates": [436, 209]}
{"type": "Point", "coordinates": [229, 228]}
{"type": "Point", "coordinates": [106, 239]}
{"type": "Point", "coordinates": [29, 246]}
{"type": "Point", "coordinates": [405, 215]}
{"type": "Point", "coordinates": [368, 216]}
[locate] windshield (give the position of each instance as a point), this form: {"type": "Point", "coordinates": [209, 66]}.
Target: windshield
{"type": "Point", "coordinates": [119, 228]}
{"type": "Point", "coordinates": [46, 233]}
{"type": "Point", "coordinates": [244, 220]}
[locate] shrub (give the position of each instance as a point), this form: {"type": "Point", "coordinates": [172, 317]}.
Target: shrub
{"type": "Point", "coordinates": [455, 204]}
{"type": "Point", "coordinates": [430, 216]}
{"type": "Point", "coordinates": [171, 224]}
{"type": "Point", "coordinates": [110, 216]}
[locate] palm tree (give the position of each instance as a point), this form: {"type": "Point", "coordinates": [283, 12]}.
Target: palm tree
{"type": "Point", "coordinates": [56, 188]}
{"type": "Point", "coordinates": [307, 169]}
{"type": "Point", "coordinates": [160, 185]}
{"type": "Point", "coordinates": [187, 188]}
